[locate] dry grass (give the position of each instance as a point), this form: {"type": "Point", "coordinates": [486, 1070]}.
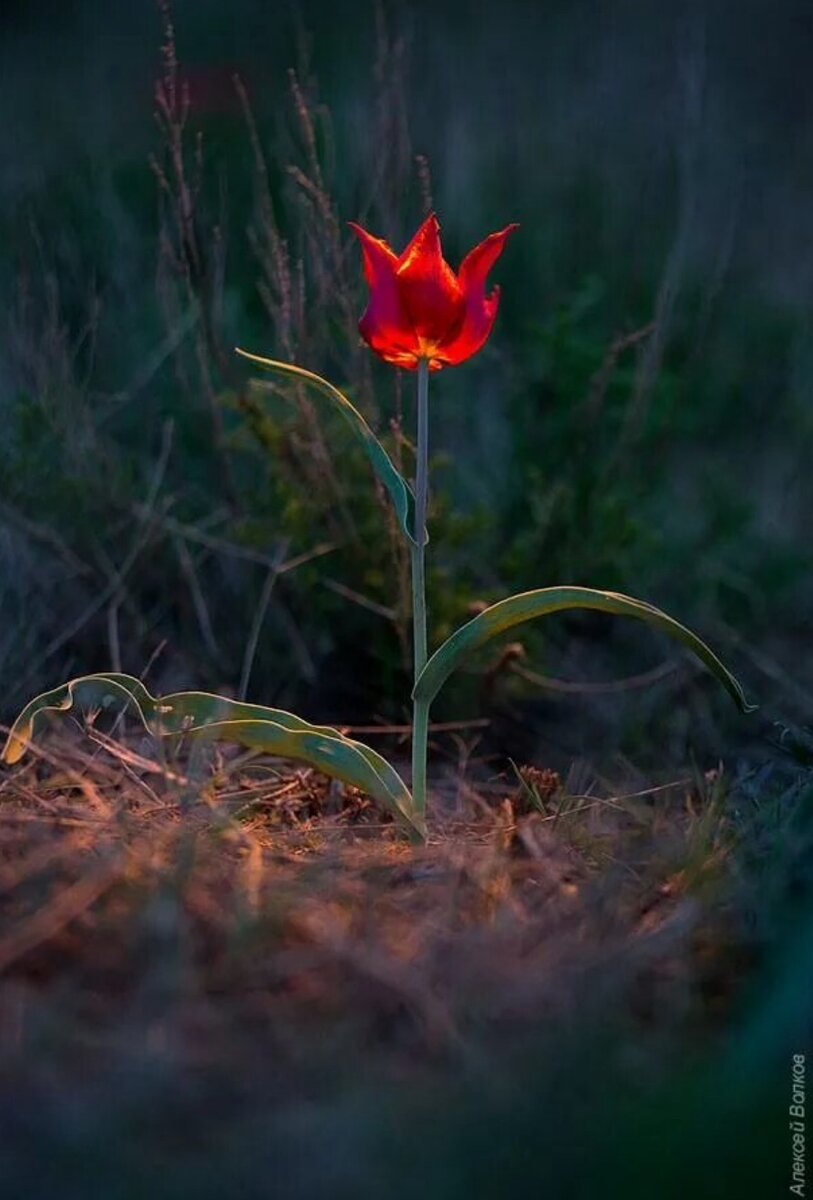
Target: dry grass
{"type": "Point", "coordinates": [206, 961]}
{"type": "Point", "coordinates": [272, 895]}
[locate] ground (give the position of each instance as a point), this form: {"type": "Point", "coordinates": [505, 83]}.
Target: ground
{"type": "Point", "coordinates": [217, 968]}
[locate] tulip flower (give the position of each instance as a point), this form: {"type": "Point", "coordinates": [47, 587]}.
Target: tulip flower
{"type": "Point", "coordinates": [419, 310]}
{"type": "Point", "coordinates": [422, 317]}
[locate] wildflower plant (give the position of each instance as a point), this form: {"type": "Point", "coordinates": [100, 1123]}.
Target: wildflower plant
{"type": "Point", "coordinates": [421, 317]}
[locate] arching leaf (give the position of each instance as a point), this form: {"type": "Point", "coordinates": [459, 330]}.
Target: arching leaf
{"type": "Point", "coordinates": [398, 488]}
{"type": "Point", "coordinates": [528, 606]}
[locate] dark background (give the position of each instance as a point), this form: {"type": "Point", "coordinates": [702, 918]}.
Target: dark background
{"type": "Point", "coordinates": [660, 161]}
{"type": "Point", "coordinates": [255, 1006]}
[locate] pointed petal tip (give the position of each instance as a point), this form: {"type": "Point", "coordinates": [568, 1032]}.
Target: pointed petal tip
{"type": "Point", "coordinates": [502, 235]}
{"type": "Point", "coordinates": [361, 233]}
{"type": "Point", "coordinates": [425, 241]}
{"type": "Point", "coordinates": [369, 239]}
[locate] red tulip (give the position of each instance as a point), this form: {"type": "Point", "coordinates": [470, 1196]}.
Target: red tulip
{"type": "Point", "coordinates": [418, 308]}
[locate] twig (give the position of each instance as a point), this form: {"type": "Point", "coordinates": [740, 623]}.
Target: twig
{"type": "Point", "coordinates": [439, 727]}
{"type": "Point", "coordinates": [372, 606]}
{"type": "Point", "coordinates": [257, 624]}
{"type": "Point", "coordinates": [44, 534]}
{"type": "Point", "coordinates": [198, 599]}
{"type": "Point", "coordinates": [192, 534]}
{"type": "Point", "coordinates": [153, 365]}
{"type": "Point", "coordinates": [600, 687]}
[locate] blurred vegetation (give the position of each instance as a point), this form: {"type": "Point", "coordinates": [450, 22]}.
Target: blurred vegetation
{"type": "Point", "coordinates": [640, 420]}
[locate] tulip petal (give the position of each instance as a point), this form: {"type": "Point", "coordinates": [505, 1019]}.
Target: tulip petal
{"type": "Point", "coordinates": [475, 267]}
{"type": "Point", "coordinates": [385, 325]}
{"type": "Point", "coordinates": [473, 333]}
{"type": "Point", "coordinates": [481, 310]}
{"type": "Point", "coordinates": [379, 257]}
{"type": "Point", "coordinates": [429, 288]}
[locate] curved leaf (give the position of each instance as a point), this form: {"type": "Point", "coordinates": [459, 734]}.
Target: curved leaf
{"type": "Point", "coordinates": [205, 714]}
{"type": "Point", "coordinates": [398, 488]}
{"type": "Point", "coordinates": [527, 606]}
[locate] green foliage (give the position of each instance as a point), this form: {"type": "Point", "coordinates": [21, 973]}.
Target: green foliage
{"type": "Point", "coordinates": [588, 448]}
{"type": "Point", "coordinates": [528, 606]}
{"type": "Point", "coordinates": [604, 481]}
{"type": "Point", "coordinates": [202, 715]}
{"type": "Point", "coordinates": [391, 479]}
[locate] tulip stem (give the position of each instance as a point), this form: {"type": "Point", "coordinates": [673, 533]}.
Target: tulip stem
{"type": "Point", "coordinates": [420, 720]}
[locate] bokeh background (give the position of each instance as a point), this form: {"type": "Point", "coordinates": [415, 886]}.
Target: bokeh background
{"type": "Point", "coordinates": [641, 420]}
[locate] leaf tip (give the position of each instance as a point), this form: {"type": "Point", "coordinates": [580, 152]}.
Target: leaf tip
{"type": "Point", "coordinates": [13, 750]}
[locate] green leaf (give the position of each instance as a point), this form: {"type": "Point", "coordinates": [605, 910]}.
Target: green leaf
{"type": "Point", "coordinates": [540, 603]}
{"type": "Point", "coordinates": [204, 714]}
{"type": "Point", "coordinates": [398, 488]}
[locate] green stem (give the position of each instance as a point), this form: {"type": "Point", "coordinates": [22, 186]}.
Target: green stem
{"type": "Point", "coordinates": [420, 719]}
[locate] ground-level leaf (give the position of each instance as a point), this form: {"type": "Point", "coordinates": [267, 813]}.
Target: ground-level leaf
{"type": "Point", "coordinates": [198, 714]}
